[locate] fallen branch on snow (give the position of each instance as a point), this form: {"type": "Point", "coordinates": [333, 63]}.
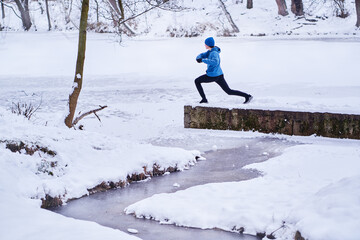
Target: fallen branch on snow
{"type": "Point", "coordinates": [77, 119]}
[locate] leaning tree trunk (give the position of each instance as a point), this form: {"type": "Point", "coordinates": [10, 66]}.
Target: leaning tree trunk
{"type": "Point", "coordinates": [249, 4]}
{"type": "Point", "coordinates": [24, 13]}
{"type": "Point", "coordinates": [116, 8]}
{"type": "Point", "coordinates": [228, 16]}
{"type": "Point", "coordinates": [2, 9]}
{"type": "Point", "coordinates": [357, 6]}
{"type": "Point", "coordinates": [48, 13]}
{"type": "Point", "coordinates": [282, 7]}
{"type": "Point", "coordinates": [73, 98]}
{"type": "Point", "coordinates": [297, 7]}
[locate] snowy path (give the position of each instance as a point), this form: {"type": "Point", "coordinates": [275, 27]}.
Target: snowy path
{"type": "Point", "coordinates": [220, 166]}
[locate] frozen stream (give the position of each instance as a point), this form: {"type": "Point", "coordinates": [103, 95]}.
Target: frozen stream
{"type": "Point", "coordinates": [107, 208]}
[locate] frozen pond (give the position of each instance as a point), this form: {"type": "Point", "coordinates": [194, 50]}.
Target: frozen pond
{"type": "Point", "coordinates": [107, 208]}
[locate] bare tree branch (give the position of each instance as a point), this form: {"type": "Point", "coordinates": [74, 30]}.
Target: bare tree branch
{"type": "Point", "coordinates": [11, 9]}
{"type": "Point", "coordinates": [77, 119]}
{"type": "Point", "coordinates": [147, 10]}
{"type": "Point", "coordinates": [228, 16]}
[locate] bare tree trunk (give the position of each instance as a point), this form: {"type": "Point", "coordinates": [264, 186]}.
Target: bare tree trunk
{"type": "Point", "coordinates": [357, 6]}
{"type": "Point", "coordinates": [97, 11]}
{"type": "Point", "coordinates": [25, 15]}
{"type": "Point", "coordinates": [121, 6]}
{"type": "Point", "coordinates": [48, 14]}
{"type": "Point", "coordinates": [2, 9]}
{"type": "Point", "coordinates": [282, 7]}
{"type": "Point", "coordinates": [228, 16]}
{"type": "Point", "coordinates": [115, 7]}
{"type": "Point", "coordinates": [297, 7]}
{"type": "Point", "coordinates": [249, 4]}
{"type": "Point", "coordinates": [73, 98]}
{"type": "Point", "coordinates": [118, 7]}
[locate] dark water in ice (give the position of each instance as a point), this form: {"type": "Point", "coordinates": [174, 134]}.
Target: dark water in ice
{"type": "Point", "coordinates": [107, 208]}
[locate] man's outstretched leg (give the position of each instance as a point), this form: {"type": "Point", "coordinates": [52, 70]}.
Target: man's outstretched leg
{"type": "Point", "coordinates": [223, 84]}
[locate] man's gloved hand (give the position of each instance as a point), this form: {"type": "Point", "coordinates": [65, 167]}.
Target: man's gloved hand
{"type": "Point", "coordinates": [199, 60]}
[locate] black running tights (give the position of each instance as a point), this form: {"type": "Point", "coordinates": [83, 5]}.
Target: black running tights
{"type": "Point", "coordinates": [219, 80]}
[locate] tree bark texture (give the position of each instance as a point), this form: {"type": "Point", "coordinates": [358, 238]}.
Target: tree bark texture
{"type": "Point", "coordinates": [24, 12]}
{"type": "Point", "coordinates": [282, 7]}
{"type": "Point", "coordinates": [297, 7]}
{"type": "Point", "coordinates": [357, 5]}
{"type": "Point", "coordinates": [48, 14]}
{"type": "Point", "coordinates": [121, 6]}
{"type": "Point", "coordinates": [228, 16]}
{"type": "Point", "coordinates": [249, 4]}
{"type": "Point", "coordinates": [73, 98]}
{"type": "Point", "coordinates": [115, 7]}
{"type": "Point", "coordinates": [2, 9]}
{"type": "Point", "coordinates": [118, 7]}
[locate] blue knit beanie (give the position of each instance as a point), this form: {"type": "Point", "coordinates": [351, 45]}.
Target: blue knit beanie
{"type": "Point", "coordinates": [210, 42]}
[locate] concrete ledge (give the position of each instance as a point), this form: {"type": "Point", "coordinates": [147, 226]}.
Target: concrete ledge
{"type": "Point", "coordinates": [285, 122]}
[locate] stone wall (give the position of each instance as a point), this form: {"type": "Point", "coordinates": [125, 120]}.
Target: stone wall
{"type": "Point", "coordinates": [267, 121]}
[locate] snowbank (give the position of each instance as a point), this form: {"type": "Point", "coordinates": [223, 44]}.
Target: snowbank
{"type": "Point", "coordinates": [312, 188]}
{"type": "Point", "coordinates": [22, 218]}
{"type": "Point", "coordinates": [83, 160]}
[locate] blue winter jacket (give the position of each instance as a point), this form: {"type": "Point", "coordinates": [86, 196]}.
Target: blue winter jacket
{"type": "Point", "coordinates": [212, 59]}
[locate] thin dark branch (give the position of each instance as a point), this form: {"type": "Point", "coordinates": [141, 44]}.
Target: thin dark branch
{"type": "Point", "coordinates": [35, 109]}
{"type": "Point", "coordinates": [11, 9]}
{"type": "Point", "coordinates": [147, 10]}
{"type": "Point", "coordinates": [97, 116]}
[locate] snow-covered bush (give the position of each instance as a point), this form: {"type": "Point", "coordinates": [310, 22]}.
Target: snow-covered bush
{"type": "Point", "coordinates": [328, 8]}
{"type": "Point", "coordinates": [192, 31]}
{"type": "Point", "coordinates": [340, 9]}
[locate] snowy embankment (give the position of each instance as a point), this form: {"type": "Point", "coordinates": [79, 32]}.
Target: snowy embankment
{"type": "Point", "coordinates": [146, 83]}
{"type": "Point", "coordinates": [311, 188]}
{"type": "Point", "coordinates": [83, 160]}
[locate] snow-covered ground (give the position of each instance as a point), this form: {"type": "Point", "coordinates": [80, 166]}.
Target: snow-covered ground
{"type": "Point", "coordinates": [313, 187]}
